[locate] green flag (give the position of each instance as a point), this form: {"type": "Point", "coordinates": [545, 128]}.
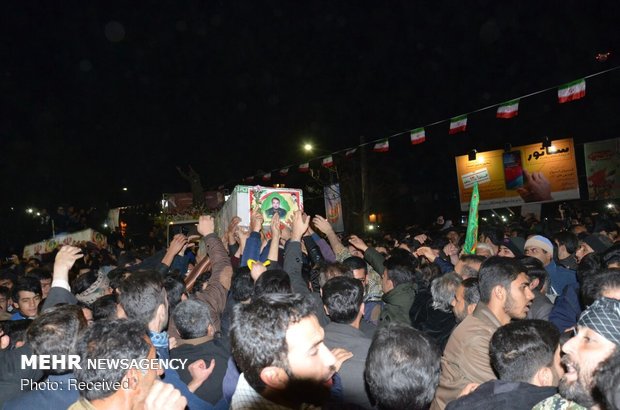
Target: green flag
{"type": "Point", "coordinates": [471, 239]}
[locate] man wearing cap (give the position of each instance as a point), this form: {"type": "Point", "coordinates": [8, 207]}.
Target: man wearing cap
{"type": "Point", "coordinates": [541, 248]}
{"type": "Point", "coordinates": [597, 337]}
{"type": "Point", "coordinates": [511, 247]}
{"type": "Point", "coordinates": [592, 243]}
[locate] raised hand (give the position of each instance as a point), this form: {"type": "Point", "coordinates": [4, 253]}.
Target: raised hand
{"type": "Point", "coordinates": [275, 227]}
{"type": "Point", "coordinates": [177, 244]}
{"type": "Point", "coordinates": [163, 396]}
{"type": "Point", "coordinates": [206, 225]}
{"type": "Point", "coordinates": [199, 372]}
{"type": "Point", "coordinates": [358, 243]}
{"type": "Point", "coordinates": [322, 224]}
{"type": "Point", "coordinates": [65, 258]}
{"type": "Point", "coordinates": [256, 221]}
{"type": "Point", "coordinates": [301, 222]}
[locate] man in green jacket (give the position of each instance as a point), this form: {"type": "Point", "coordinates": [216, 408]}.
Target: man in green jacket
{"type": "Point", "coordinates": [399, 291]}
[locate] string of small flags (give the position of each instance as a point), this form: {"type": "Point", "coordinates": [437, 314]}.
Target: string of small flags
{"type": "Point", "coordinates": [571, 91]}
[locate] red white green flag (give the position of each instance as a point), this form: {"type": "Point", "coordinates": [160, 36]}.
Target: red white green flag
{"type": "Point", "coordinates": [267, 176]}
{"type": "Point", "coordinates": [328, 161]}
{"type": "Point", "coordinates": [383, 146]}
{"type": "Point", "coordinates": [509, 109]}
{"type": "Point", "coordinates": [284, 172]}
{"type": "Point", "coordinates": [248, 179]}
{"type": "Point", "coordinates": [458, 124]}
{"type": "Point", "coordinates": [572, 91]}
{"type": "Point", "coordinates": [305, 167]}
{"type": "Point", "coordinates": [350, 152]}
{"type": "Point", "coordinates": [418, 136]}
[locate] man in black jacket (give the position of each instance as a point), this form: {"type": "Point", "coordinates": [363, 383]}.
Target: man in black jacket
{"type": "Point", "coordinates": [343, 298]}
{"type": "Point", "coordinates": [526, 356]}
{"type": "Point", "coordinates": [197, 342]}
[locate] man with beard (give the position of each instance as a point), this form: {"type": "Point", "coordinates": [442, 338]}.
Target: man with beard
{"type": "Point", "coordinates": [504, 295]}
{"type": "Point", "coordinates": [277, 343]}
{"type": "Point", "coordinates": [466, 299]}
{"type": "Point", "coordinates": [596, 339]}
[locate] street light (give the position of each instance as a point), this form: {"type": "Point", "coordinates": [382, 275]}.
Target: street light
{"type": "Point", "coordinates": [308, 147]}
{"type": "Point", "coordinates": [124, 188]}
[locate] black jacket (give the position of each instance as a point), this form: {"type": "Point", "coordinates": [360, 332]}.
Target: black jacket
{"type": "Point", "coordinates": [497, 394]}
{"type": "Point", "coordinates": [211, 389]}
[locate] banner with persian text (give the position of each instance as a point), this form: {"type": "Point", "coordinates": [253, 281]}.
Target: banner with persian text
{"type": "Point", "coordinates": [525, 174]}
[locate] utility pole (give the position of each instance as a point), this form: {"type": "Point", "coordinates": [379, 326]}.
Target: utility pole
{"type": "Point", "coordinates": [364, 175]}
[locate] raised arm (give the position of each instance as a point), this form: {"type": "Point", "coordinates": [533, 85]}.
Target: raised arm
{"type": "Point", "coordinates": [274, 245]}
{"type": "Point", "coordinates": [60, 291]}
{"type": "Point", "coordinates": [292, 253]}
{"type": "Point", "coordinates": [251, 249]}
{"type": "Point", "coordinates": [324, 226]}
{"type": "Point", "coordinates": [371, 255]}
{"type": "Point", "coordinates": [221, 267]}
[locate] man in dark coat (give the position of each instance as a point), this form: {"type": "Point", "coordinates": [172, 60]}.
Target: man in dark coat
{"type": "Point", "coordinates": [343, 298]}
{"type": "Point", "coordinates": [526, 356]}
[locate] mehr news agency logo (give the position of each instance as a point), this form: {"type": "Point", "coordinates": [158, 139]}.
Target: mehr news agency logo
{"type": "Point", "coordinates": [72, 362]}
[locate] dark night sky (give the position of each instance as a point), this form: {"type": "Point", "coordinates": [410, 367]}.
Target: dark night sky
{"type": "Point", "coordinates": [94, 97]}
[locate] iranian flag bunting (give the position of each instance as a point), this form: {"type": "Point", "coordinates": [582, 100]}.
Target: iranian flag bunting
{"type": "Point", "coordinates": [572, 91]}
{"type": "Point", "coordinates": [458, 124]}
{"type": "Point", "coordinates": [383, 146]}
{"type": "Point", "coordinates": [418, 136]}
{"type": "Point", "coordinates": [509, 109]}
{"type": "Point", "coordinates": [328, 161]}
{"type": "Point", "coordinates": [305, 167]}
{"type": "Point", "coordinates": [350, 152]}
{"type": "Point", "coordinates": [248, 179]}
{"type": "Point", "coordinates": [284, 172]}
{"type": "Point", "coordinates": [267, 176]}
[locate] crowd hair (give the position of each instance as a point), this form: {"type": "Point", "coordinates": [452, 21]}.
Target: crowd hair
{"type": "Point", "coordinates": [402, 368]}
{"type": "Point", "coordinates": [607, 382]}
{"type": "Point", "coordinates": [398, 271]}
{"type": "Point", "coordinates": [568, 239]}
{"type": "Point", "coordinates": [192, 319]}
{"type": "Point", "coordinates": [272, 281]}
{"type": "Point", "coordinates": [331, 270]}
{"type": "Point", "coordinates": [342, 297]}
{"type": "Point", "coordinates": [472, 291]}
{"type": "Point", "coordinates": [612, 255]}
{"type": "Point", "coordinates": [109, 339]}
{"type": "Point", "coordinates": [140, 296]}
{"type": "Point", "coordinates": [443, 289]}
{"type": "Point", "coordinates": [26, 284]}
{"type": "Point", "coordinates": [535, 270]}
{"type": "Point", "coordinates": [355, 262]}
{"type": "Point", "coordinates": [497, 271]}
{"type": "Point", "coordinates": [258, 332]}
{"type": "Point", "coordinates": [56, 331]}
{"type": "Point", "coordinates": [242, 285]}
{"type": "Point", "coordinates": [521, 348]}
{"type": "Point", "coordinates": [105, 307]}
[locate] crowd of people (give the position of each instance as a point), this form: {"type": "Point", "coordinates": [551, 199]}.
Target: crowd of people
{"type": "Point", "coordinates": [299, 317]}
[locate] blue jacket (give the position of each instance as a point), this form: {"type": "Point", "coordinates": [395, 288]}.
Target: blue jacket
{"type": "Point", "coordinates": [567, 308]}
{"type": "Point", "coordinates": [252, 250]}
{"type": "Point", "coordinates": [54, 399]}
{"type": "Point", "coordinates": [559, 277]}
